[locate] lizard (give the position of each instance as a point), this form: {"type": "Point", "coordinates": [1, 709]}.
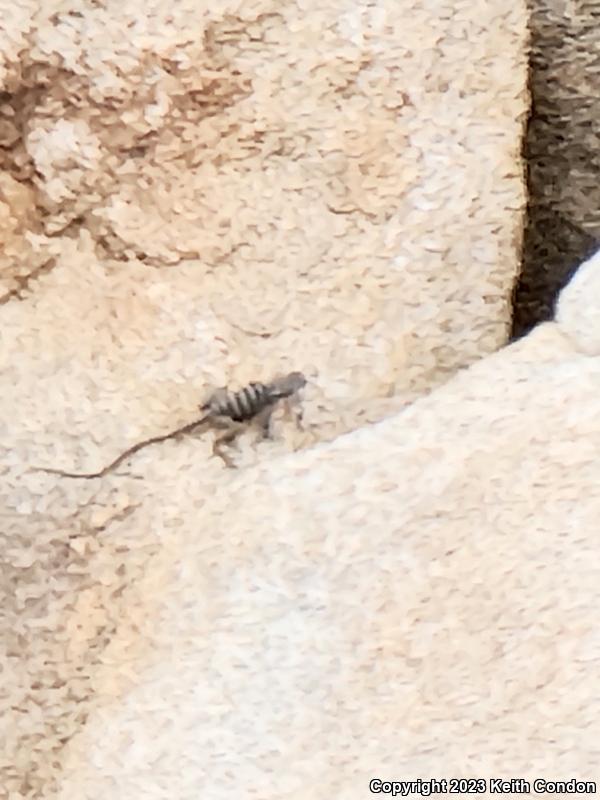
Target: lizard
{"type": "Point", "coordinates": [223, 410]}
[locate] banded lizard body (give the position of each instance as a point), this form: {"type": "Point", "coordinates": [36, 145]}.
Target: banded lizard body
{"type": "Point", "coordinates": [223, 410]}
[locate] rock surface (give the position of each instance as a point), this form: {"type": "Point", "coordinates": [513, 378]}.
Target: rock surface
{"type": "Point", "coordinates": [194, 197]}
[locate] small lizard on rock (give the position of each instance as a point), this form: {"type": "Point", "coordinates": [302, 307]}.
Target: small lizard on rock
{"type": "Point", "coordinates": [224, 410]}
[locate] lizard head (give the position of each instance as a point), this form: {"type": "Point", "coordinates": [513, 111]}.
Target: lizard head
{"type": "Point", "coordinates": [288, 384]}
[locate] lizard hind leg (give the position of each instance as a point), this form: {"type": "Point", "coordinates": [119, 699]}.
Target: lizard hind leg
{"type": "Point", "coordinates": [222, 442]}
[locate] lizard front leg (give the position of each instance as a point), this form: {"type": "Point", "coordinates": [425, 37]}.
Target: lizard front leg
{"type": "Point", "coordinates": [294, 409]}
{"type": "Point", "coordinates": [263, 423]}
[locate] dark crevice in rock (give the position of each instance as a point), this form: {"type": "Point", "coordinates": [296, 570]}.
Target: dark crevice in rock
{"type": "Point", "coordinates": [562, 152]}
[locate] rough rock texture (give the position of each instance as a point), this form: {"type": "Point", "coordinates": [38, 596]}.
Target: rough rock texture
{"type": "Point", "coordinates": [562, 153]}
{"type": "Point", "coordinates": [191, 197]}
{"type": "Point", "coordinates": [345, 169]}
{"type": "Point", "coordinates": [418, 598]}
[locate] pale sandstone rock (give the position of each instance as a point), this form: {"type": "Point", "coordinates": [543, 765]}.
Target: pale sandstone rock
{"type": "Point", "coordinates": [577, 308]}
{"type": "Point", "coordinates": [215, 195]}
{"type": "Point", "coordinates": [416, 599]}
